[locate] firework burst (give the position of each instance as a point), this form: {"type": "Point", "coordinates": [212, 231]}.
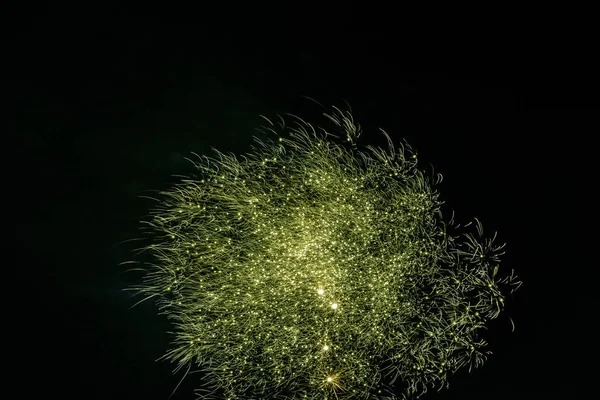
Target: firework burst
{"type": "Point", "coordinates": [311, 269]}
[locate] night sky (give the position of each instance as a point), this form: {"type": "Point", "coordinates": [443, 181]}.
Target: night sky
{"type": "Point", "coordinates": [107, 113]}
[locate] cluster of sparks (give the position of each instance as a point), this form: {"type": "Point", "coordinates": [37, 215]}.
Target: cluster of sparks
{"type": "Point", "coordinates": [310, 269]}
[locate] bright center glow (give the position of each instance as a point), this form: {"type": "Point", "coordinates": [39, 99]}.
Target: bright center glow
{"type": "Point", "coordinates": [325, 347]}
{"type": "Point", "coordinates": [334, 306]}
{"type": "Point", "coordinates": [329, 379]}
{"type": "Point", "coordinates": [320, 291]}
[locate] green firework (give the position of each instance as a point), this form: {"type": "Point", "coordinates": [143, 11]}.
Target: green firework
{"type": "Point", "coordinates": [312, 269]}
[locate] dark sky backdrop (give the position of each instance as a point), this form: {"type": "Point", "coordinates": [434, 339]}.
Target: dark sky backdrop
{"type": "Point", "coordinates": [108, 111]}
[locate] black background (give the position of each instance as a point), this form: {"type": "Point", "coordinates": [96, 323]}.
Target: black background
{"type": "Point", "coordinates": [106, 111]}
